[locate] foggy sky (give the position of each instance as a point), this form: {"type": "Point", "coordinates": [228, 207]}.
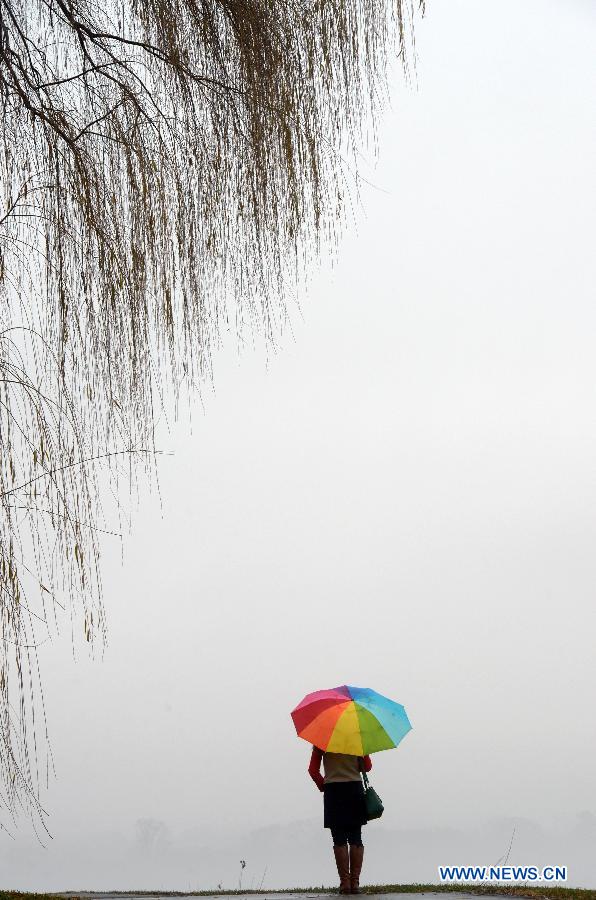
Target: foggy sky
{"type": "Point", "coordinates": [402, 497]}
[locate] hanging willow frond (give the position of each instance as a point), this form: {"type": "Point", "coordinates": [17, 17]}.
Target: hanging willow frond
{"type": "Point", "coordinates": [167, 168]}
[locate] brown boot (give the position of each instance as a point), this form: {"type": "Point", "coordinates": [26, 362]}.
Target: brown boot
{"type": "Point", "coordinates": [342, 861]}
{"type": "Point", "coordinates": [356, 857]}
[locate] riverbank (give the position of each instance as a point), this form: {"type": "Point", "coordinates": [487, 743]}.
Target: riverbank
{"type": "Point", "coordinates": [371, 891]}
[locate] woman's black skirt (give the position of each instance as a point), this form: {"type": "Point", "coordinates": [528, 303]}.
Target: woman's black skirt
{"type": "Point", "coordinates": [343, 804]}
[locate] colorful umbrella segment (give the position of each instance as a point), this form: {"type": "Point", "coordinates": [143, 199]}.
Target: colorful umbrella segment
{"type": "Point", "coordinates": [350, 720]}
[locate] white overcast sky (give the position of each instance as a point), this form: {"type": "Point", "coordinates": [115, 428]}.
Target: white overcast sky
{"type": "Point", "coordinates": [404, 498]}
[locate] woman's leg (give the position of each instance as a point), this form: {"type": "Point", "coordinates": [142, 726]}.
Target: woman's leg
{"type": "Point", "coordinates": [355, 857]}
{"type": "Point", "coordinates": [342, 859]}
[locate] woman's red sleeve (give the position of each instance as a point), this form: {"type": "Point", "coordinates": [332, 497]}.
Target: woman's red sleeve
{"type": "Point", "coordinates": [314, 768]}
{"type": "Point", "coordinates": [367, 763]}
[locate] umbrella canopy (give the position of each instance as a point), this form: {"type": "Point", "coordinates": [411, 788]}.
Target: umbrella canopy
{"type": "Point", "coordinates": [350, 720]}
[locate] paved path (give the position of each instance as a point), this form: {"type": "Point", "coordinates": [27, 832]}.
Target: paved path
{"type": "Point", "coordinates": [314, 895]}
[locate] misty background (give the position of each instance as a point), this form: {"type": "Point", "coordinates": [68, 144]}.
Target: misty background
{"type": "Point", "coordinates": [402, 497]}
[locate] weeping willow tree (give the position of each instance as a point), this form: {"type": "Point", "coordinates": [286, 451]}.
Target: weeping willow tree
{"type": "Point", "coordinates": [167, 169]}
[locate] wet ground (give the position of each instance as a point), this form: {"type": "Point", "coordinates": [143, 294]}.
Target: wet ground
{"type": "Point", "coordinates": [311, 895]}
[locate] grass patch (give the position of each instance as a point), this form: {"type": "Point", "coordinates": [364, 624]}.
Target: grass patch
{"type": "Point", "coordinates": [512, 890]}
{"type": "Point", "coordinates": [20, 895]}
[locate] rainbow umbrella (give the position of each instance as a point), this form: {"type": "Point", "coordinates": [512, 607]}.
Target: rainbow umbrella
{"type": "Point", "coordinates": [350, 720]}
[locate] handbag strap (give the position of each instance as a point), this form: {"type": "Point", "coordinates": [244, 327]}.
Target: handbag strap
{"type": "Point", "coordinates": [363, 772]}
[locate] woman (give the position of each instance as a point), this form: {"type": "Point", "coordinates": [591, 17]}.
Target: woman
{"type": "Point", "coordinates": [344, 810]}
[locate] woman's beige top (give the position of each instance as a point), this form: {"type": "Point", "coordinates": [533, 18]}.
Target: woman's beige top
{"type": "Point", "coordinates": [341, 767]}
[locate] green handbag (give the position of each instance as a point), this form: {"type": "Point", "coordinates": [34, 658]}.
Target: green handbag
{"type": "Point", "coordinates": [374, 804]}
